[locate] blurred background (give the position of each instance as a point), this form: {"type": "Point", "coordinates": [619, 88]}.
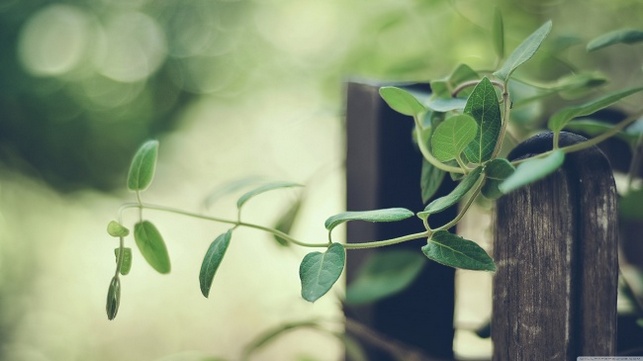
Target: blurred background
{"type": "Point", "coordinates": [232, 89]}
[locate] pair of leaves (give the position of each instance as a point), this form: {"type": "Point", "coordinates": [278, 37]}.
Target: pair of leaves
{"type": "Point", "coordinates": [475, 132]}
{"type": "Point", "coordinates": [454, 251]}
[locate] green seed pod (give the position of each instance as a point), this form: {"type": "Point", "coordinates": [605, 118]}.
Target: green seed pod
{"type": "Point", "coordinates": [116, 229]}
{"type": "Point", "coordinates": [113, 298]}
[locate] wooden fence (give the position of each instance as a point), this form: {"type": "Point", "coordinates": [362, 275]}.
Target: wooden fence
{"type": "Point", "coordinates": [554, 293]}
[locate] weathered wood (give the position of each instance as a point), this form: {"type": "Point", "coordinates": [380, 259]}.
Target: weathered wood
{"type": "Point", "coordinates": [383, 170]}
{"type": "Point", "coordinates": [556, 250]}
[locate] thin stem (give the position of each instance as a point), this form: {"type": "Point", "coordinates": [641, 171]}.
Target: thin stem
{"type": "Point", "coordinates": [471, 83]}
{"type": "Point", "coordinates": [362, 245]}
{"type": "Point", "coordinates": [504, 123]}
{"type": "Point", "coordinates": [465, 208]}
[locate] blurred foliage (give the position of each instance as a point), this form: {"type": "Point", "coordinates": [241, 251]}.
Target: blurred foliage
{"type": "Point", "coordinates": [83, 82]}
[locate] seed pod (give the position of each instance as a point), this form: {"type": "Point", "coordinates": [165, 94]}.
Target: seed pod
{"type": "Point", "coordinates": [113, 298]}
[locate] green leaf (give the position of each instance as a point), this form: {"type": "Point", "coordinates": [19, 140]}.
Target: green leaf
{"type": "Point", "coordinates": [318, 271]}
{"type": "Point", "coordinates": [452, 136]}
{"type": "Point", "coordinates": [430, 180]}
{"type": "Point", "coordinates": [287, 220]}
{"type": "Point", "coordinates": [499, 168]}
{"type": "Point", "coordinates": [498, 34]}
{"type": "Point", "coordinates": [496, 171]}
{"type": "Point", "coordinates": [558, 121]}
{"type": "Point", "coordinates": [116, 229]}
{"type": "Point", "coordinates": [113, 298]}
{"type": "Point", "coordinates": [523, 52]}
{"type": "Point", "coordinates": [143, 164]}
{"type": "Point", "coordinates": [377, 215]}
{"type": "Point", "coordinates": [622, 36]}
{"type": "Point", "coordinates": [383, 274]}
{"type": "Point", "coordinates": [212, 260]}
{"type": "Point", "coordinates": [533, 170]}
{"type": "Point", "coordinates": [401, 101]}
{"type": "Point", "coordinates": [455, 196]}
{"type": "Point", "coordinates": [483, 106]}
{"type": "Point", "coordinates": [262, 189]}
{"type": "Point", "coordinates": [444, 105]}
{"type": "Point", "coordinates": [152, 247]}
{"type": "Point", "coordinates": [454, 251]}
{"type": "Point", "coordinates": [126, 266]}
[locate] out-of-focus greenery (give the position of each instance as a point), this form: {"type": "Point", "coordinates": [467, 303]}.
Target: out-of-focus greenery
{"type": "Point", "coordinates": [84, 82]}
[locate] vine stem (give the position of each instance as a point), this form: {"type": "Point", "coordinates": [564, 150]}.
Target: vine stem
{"type": "Point", "coordinates": [464, 208]}
{"type": "Point", "coordinates": [593, 141]}
{"type": "Point", "coordinates": [361, 245]}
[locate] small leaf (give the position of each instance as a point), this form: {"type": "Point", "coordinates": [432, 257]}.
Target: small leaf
{"type": "Point", "coordinates": [496, 171]}
{"type": "Point", "coordinates": [462, 73]}
{"type": "Point", "coordinates": [533, 170]}
{"type": "Point", "coordinates": [126, 265]}
{"type": "Point", "coordinates": [454, 251]}
{"type": "Point", "coordinates": [430, 180]}
{"type": "Point", "coordinates": [483, 106]}
{"type": "Point", "coordinates": [264, 188]}
{"type": "Point", "coordinates": [212, 260]}
{"type": "Point", "coordinates": [116, 229]}
{"type": "Point", "coordinates": [498, 34]}
{"type": "Point", "coordinates": [287, 220]}
{"type": "Point", "coordinates": [593, 128]}
{"type": "Point", "coordinates": [377, 215]}
{"type": "Point", "coordinates": [622, 36]}
{"type": "Point", "coordinates": [523, 52]}
{"type": "Point", "coordinates": [143, 164]}
{"type": "Point", "coordinates": [383, 274]}
{"type": "Point", "coordinates": [499, 168]}
{"type": "Point", "coordinates": [318, 271]}
{"type": "Point", "coordinates": [558, 121]}
{"type": "Point", "coordinates": [455, 196]}
{"type": "Point", "coordinates": [113, 298]}
{"type": "Point", "coordinates": [452, 136]}
{"type": "Point", "coordinates": [401, 101]}
{"type": "Point", "coordinates": [152, 247]}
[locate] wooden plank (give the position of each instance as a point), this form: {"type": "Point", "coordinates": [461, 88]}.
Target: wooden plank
{"type": "Point", "coordinates": [383, 170]}
{"type": "Point", "coordinates": [556, 249]}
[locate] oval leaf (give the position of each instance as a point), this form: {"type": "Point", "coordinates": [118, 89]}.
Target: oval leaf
{"type": "Point", "coordinates": [430, 180]}
{"type": "Point", "coordinates": [523, 52]}
{"type": "Point", "coordinates": [152, 247]}
{"type": "Point", "coordinates": [126, 265]}
{"type": "Point", "coordinates": [287, 220]}
{"type": "Point", "coordinates": [383, 274]}
{"type": "Point", "coordinates": [533, 170]}
{"type": "Point", "coordinates": [483, 106]}
{"type": "Point", "coordinates": [262, 189]}
{"type": "Point", "coordinates": [116, 229]}
{"type": "Point", "coordinates": [558, 121]}
{"type": "Point", "coordinates": [143, 164]}
{"type": "Point", "coordinates": [454, 251]}
{"type": "Point", "coordinates": [378, 215]}
{"type": "Point", "coordinates": [318, 271]}
{"type": "Point", "coordinates": [452, 136]}
{"type": "Point", "coordinates": [401, 101]}
{"type": "Point", "coordinates": [499, 168]}
{"type": "Point", "coordinates": [212, 260]}
{"type": "Point", "coordinates": [113, 298]}
{"type": "Point", "coordinates": [455, 196]}
{"type": "Point", "coordinates": [622, 36]}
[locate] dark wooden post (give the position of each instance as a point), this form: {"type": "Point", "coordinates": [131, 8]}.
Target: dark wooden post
{"type": "Point", "coordinates": [554, 293]}
{"type": "Point", "coordinates": [383, 170]}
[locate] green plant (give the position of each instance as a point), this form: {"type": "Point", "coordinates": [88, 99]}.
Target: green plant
{"type": "Point", "coordinates": [461, 130]}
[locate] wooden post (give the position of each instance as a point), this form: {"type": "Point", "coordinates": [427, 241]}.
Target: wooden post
{"type": "Point", "coordinates": [554, 293]}
{"type": "Point", "coordinates": [383, 170]}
